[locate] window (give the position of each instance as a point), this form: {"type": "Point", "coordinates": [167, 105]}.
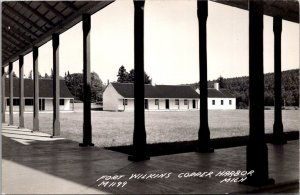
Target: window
{"type": "Point", "coordinates": [28, 102]}
{"type": "Point", "coordinates": [176, 102]}
{"type": "Point", "coordinates": [156, 102]}
{"type": "Point", "coordinates": [16, 102]}
{"type": "Point", "coordinates": [185, 102]}
{"type": "Point", "coordinates": [230, 102]}
{"type": "Point", "coordinates": [221, 102]}
{"type": "Point", "coordinates": [125, 102]}
{"type": "Point", "coordinates": [213, 102]}
{"type": "Point", "coordinates": [146, 104]}
{"type": "Point", "coordinates": [62, 102]}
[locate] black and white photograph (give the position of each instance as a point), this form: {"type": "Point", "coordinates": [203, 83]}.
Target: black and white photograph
{"type": "Point", "coordinates": [150, 97]}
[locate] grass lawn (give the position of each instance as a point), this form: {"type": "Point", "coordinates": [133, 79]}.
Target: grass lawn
{"type": "Point", "coordinates": [116, 128]}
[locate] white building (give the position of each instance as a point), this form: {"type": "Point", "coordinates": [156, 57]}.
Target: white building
{"type": "Point", "coordinates": [220, 99]}
{"type": "Point", "coordinates": [66, 101]}
{"type": "Point", "coordinates": [120, 97]}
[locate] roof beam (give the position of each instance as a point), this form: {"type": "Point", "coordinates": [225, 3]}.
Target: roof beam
{"type": "Point", "coordinates": [16, 38]}
{"type": "Point", "coordinates": [22, 17]}
{"type": "Point", "coordinates": [6, 38]}
{"type": "Point", "coordinates": [53, 10]}
{"type": "Point", "coordinates": [5, 53]}
{"type": "Point", "coordinates": [38, 14]}
{"type": "Point", "coordinates": [68, 22]}
{"type": "Point", "coordinates": [19, 25]}
{"type": "Point", "coordinates": [70, 5]}
{"type": "Point", "coordinates": [18, 33]}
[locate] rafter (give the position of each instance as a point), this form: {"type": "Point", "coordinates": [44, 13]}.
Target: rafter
{"type": "Point", "coordinates": [20, 25]}
{"type": "Point", "coordinates": [17, 33]}
{"type": "Point", "coordinates": [5, 37]}
{"type": "Point", "coordinates": [22, 17]}
{"type": "Point", "coordinates": [70, 6]}
{"type": "Point", "coordinates": [53, 10]}
{"type": "Point", "coordinates": [9, 47]}
{"type": "Point", "coordinates": [38, 14]}
{"type": "Point", "coordinates": [4, 52]}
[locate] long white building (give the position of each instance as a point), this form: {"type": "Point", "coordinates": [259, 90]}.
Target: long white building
{"type": "Point", "coordinates": [120, 97]}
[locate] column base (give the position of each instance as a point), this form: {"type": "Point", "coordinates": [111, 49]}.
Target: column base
{"type": "Point", "coordinates": [86, 144]}
{"type": "Point", "coordinates": [55, 136]}
{"type": "Point", "coordinates": [136, 158]}
{"type": "Point", "coordinates": [21, 127]}
{"type": "Point", "coordinates": [205, 150]}
{"type": "Point", "coordinates": [36, 126]}
{"type": "Point", "coordinates": [258, 182]}
{"type": "Point", "coordinates": [279, 141]}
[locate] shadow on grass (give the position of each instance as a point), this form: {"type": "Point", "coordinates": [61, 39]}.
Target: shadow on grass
{"type": "Point", "coordinates": [159, 149]}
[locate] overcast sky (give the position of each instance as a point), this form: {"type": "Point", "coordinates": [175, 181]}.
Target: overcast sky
{"type": "Point", "coordinates": [171, 43]}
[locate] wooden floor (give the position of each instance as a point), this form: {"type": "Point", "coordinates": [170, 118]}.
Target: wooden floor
{"type": "Point", "coordinates": [31, 165]}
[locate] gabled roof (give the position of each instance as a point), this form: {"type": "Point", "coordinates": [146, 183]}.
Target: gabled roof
{"type": "Point", "coordinates": [221, 93]}
{"type": "Point", "coordinates": [45, 88]}
{"type": "Point", "coordinates": [158, 91]}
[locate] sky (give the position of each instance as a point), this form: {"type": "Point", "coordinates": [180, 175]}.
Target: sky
{"type": "Point", "coordinates": [171, 43]}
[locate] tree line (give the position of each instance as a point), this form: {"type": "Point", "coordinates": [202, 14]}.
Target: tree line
{"type": "Point", "coordinates": [239, 86]}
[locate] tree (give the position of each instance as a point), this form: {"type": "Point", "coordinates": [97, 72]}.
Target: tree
{"type": "Point", "coordinates": [125, 77]}
{"type": "Point", "coordinates": [147, 79]}
{"type": "Point", "coordinates": [74, 83]}
{"type": "Point", "coordinates": [30, 74]}
{"type": "Point", "coordinates": [97, 87]}
{"type": "Point", "coordinates": [122, 75]}
{"type": "Point", "coordinates": [221, 81]}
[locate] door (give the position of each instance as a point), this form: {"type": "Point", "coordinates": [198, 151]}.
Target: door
{"type": "Point", "coordinates": [167, 104]}
{"type": "Point", "coordinates": [41, 104]}
{"type": "Point", "coordinates": [146, 104]}
{"type": "Point", "coordinates": [194, 103]}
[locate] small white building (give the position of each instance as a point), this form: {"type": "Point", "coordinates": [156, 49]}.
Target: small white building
{"type": "Point", "coordinates": [220, 99]}
{"type": "Point", "coordinates": [120, 97]}
{"type": "Point", "coordinates": [66, 100]}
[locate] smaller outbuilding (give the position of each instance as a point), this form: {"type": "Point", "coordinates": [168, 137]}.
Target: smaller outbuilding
{"type": "Point", "coordinates": [220, 99]}
{"type": "Point", "coordinates": [120, 97]}
{"type": "Point", "coordinates": [66, 101]}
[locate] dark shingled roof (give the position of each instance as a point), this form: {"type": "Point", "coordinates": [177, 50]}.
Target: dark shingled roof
{"type": "Point", "coordinates": [222, 93]}
{"type": "Point", "coordinates": [45, 86]}
{"type": "Point", "coordinates": [158, 91]}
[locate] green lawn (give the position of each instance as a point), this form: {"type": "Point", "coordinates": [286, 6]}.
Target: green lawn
{"type": "Point", "coordinates": [116, 128]}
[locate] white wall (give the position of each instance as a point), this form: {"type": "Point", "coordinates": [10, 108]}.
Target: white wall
{"type": "Point", "coordinates": [48, 106]}
{"type": "Point", "coordinates": [218, 106]}
{"type": "Point", "coordinates": [112, 99]}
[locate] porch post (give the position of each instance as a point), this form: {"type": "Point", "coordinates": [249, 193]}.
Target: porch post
{"type": "Point", "coordinates": [257, 151]}
{"type": "Point", "coordinates": [204, 133]}
{"type": "Point", "coordinates": [278, 136]}
{"type": "Point", "coordinates": [139, 133]}
{"type": "Point", "coordinates": [35, 53]}
{"type": "Point", "coordinates": [87, 123]}
{"type": "Point", "coordinates": [21, 92]}
{"type": "Point", "coordinates": [56, 86]}
{"type": "Point", "coordinates": [3, 95]}
{"type": "Point", "coordinates": [11, 96]}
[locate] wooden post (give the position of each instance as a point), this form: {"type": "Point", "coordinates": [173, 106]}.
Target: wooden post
{"type": "Point", "coordinates": [139, 133]}
{"type": "Point", "coordinates": [87, 123]}
{"type": "Point", "coordinates": [56, 85]}
{"type": "Point", "coordinates": [204, 133]}
{"type": "Point", "coordinates": [35, 53]}
{"type": "Point", "coordinates": [257, 151]}
{"type": "Point", "coordinates": [3, 95]}
{"type": "Point", "coordinates": [278, 136]}
{"type": "Point", "coordinates": [21, 92]}
{"type": "Point", "coordinates": [11, 95]}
